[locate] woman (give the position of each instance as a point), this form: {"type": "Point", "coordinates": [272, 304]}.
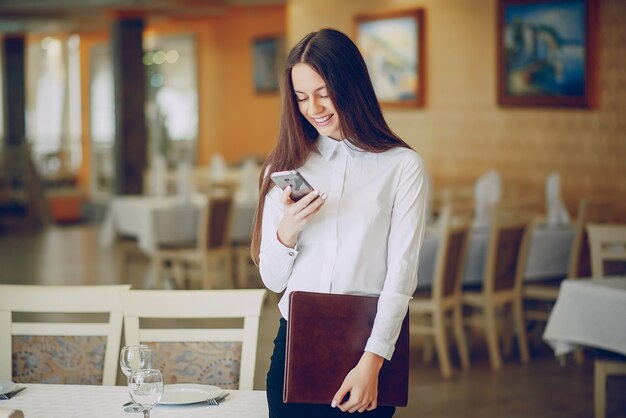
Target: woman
{"type": "Point", "coordinates": [360, 231]}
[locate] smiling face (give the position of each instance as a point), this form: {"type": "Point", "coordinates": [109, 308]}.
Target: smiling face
{"type": "Point", "coordinates": [314, 102]}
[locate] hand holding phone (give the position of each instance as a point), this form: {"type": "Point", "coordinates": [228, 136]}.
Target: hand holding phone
{"type": "Point", "coordinates": [299, 186]}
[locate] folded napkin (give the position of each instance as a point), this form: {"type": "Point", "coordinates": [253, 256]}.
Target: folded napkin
{"type": "Point", "coordinates": [11, 413]}
{"type": "Point", "coordinates": [184, 181]}
{"type": "Point", "coordinates": [556, 211]}
{"type": "Point", "coordinates": [158, 180]}
{"type": "Point", "coordinates": [249, 185]}
{"type": "Point", "coordinates": [486, 195]}
{"type": "Point", "coordinates": [218, 167]}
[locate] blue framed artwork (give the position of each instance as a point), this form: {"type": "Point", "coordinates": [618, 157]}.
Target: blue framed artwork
{"type": "Point", "coordinates": [545, 53]}
{"type": "Point", "coordinates": [267, 59]}
{"type": "Point", "coordinates": [392, 44]}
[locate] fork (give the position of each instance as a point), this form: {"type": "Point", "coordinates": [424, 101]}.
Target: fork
{"type": "Point", "coordinates": [216, 401]}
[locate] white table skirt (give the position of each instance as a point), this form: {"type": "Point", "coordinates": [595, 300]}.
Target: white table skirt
{"type": "Point", "coordinates": [151, 219]}
{"type": "Point", "coordinates": [548, 255]}
{"type": "Point", "coordinates": [155, 220]}
{"type": "Point", "coordinates": [81, 401]}
{"type": "Point", "coordinates": [589, 312]}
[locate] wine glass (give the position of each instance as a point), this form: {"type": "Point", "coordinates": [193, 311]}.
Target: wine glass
{"type": "Point", "coordinates": [132, 359]}
{"type": "Point", "coordinates": [146, 388]}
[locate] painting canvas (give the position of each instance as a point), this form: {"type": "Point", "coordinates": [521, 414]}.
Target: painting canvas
{"type": "Point", "coordinates": [267, 56]}
{"type": "Point", "coordinates": [392, 46]}
{"type": "Point", "coordinates": [544, 53]}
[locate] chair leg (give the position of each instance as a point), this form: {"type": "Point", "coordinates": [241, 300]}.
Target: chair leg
{"type": "Point", "coordinates": [599, 389]}
{"type": "Point", "coordinates": [157, 270]}
{"type": "Point", "coordinates": [520, 330]}
{"type": "Point", "coordinates": [491, 333]}
{"type": "Point", "coordinates": [579, 356]}
{"type": "Point", "coordinates": [441, 344]}
{"type": "Point", "coordinates": [459, 335]}
{"type": "Point", "coordinates": [241, 255]}
{"type": "Point", "coordinates": [227, 260]}
{"type": "Point", "coordinates": [206, 274]}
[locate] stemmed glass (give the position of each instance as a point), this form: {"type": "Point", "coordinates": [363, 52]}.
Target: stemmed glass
{"type": "Point", "coordinates": [146, 388]}
{"type": "Point", "coordinates": [132, 359]}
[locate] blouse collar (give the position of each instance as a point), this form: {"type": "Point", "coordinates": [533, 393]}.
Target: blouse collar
{"type": "Point", "coordinates": [327, 147]}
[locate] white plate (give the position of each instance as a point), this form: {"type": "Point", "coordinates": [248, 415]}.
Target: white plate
{"type": "Point", "coordinates": [186, 393]}
{"type": "Point", "coordinates": [6, 386]}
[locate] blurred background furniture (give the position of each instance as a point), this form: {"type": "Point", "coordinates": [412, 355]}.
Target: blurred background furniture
{"type": "Point", "coordinates": [431, 315]}
{"type": "Point", "coordinates": [189, 352]}
{"type": "Point", "coordinates": [47, 347]}
{"type": "Point", "coordinates": [607, 245]}
{"type": "Point", "coordinates": [590, 313]}
{"type": "Point", "coordinates": [500, 297]}
{"type": "Point", "coordinates": [211, 248]}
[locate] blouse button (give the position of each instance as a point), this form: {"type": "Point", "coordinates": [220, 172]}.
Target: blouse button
{"type": "Point", "coordinates": [291, 253]}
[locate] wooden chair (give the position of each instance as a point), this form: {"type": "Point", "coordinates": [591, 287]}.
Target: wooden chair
{"type": "Point", "coordinates": [445, 297]}
{"type": "Point", "coordinates": [603, 368]}
{"type": "Point", "coordinates": [129, 253]}
{"type": "Point", "coordinates": [54, 322]}
{"type": "Point", "coordinates": [543, 295]}
{"type": "Point", "coordinates": [607, 244]}
{"type": "Point", "coordinates": [502, 285]}
{"type": "Point", "coordinates": [207, 352]}
{"type": "Point", "coordinates": [211, 249]}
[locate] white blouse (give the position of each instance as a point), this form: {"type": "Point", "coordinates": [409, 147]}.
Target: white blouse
{"type": "Point", "coordinates": [366, 238]}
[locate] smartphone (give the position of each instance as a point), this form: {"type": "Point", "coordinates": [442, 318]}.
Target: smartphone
{"type": "Point", "coordinates": [299, 186]}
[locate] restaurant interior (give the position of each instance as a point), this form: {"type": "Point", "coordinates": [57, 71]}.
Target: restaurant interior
{"type": "Point", "coordinates": [132, 136]}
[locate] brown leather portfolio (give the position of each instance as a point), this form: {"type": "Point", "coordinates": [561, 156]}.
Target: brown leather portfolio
{"type": "Point", "coordinates": [326, 335]}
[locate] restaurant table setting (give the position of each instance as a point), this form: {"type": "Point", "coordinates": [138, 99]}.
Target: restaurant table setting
{"type": "Point", "coordinates": [69, 401]}
{"type": "Point", "coordinates": [148, 395]}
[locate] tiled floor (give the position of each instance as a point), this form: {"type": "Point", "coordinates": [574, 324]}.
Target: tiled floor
{"type": "Point", "coordinates": [72, 255]}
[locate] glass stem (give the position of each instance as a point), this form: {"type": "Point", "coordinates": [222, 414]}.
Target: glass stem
{"type": "Point", "coordinates": [146, 413]}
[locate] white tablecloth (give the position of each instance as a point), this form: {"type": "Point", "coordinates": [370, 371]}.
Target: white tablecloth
{"type": "Point", "coordinates": [589, 312]}
{"type": "Point", "coordinates": [83, 401]}
{"type": "Point", "coordinates": [548, 255]}
{"type": "Point", "coordinates": [155, 220]}
{"type": "Point", "coordinates": [151, 219]}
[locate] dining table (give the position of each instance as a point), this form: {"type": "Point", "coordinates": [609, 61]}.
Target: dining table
{"type": "Point", "coordinates": [159, 220]}
{"type": "Point", "coordinates": [548, 254]}
{"type": "Point", "coordinates": [588, 313]}
{"type": "Point", "coordinates": [80, 401]}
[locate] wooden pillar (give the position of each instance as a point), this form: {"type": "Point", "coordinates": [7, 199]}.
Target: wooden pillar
{"type": "Point", "coordinates": [130, 122]}
{"type": "Point", "coordinates": [14, 90]}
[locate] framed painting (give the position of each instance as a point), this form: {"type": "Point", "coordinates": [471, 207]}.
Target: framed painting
{"type": "Point", "coordinates": [267, 59]}
{"type": "Point", "coordinates": [545, 53]}
{"type": "Point", "coordinates": [392, 44]}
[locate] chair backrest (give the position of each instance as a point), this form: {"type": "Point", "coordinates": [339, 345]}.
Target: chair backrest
{"type": "Point", "coordinates": [31, 345]}
{"type": "Point", "coordinates": [216, 219]}
{"type": "Point", "coordinates": [506, 255]}
{"type": "Point", "coordinates": [450, 255]}
{"type": "Point", "coordinates": [590, 210]}
{"type": "Point", "coordinates": [203, 353]}
{"type": "Point", "coordinates": [607, 244]}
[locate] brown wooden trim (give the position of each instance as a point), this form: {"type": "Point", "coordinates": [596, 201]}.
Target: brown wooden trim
{"type": "Point", "coordinates": [419, 15]}
{"type": "Point", "coordinates": [587, 100]}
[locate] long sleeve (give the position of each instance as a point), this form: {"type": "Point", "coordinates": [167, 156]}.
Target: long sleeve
{"type": "Point", "coordinates": [276, 260]}
{"type": "Point", "coordinates": [405, 239]}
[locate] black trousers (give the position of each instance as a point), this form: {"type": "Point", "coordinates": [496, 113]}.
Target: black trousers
{"type": "Point", "coordinates": [275, 382]}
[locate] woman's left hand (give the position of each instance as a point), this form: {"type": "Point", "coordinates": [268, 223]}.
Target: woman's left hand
{"type": "Point", "coordinates": [362, 383]}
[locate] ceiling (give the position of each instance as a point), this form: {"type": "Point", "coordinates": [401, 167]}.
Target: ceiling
{"type": "Point", "coordinates": [37, 16]}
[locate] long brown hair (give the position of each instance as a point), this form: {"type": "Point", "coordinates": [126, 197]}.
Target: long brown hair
{"type": "Point", "coordinates": [340, 64]}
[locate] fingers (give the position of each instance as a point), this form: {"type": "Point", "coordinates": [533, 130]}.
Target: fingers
{"type": "Point", "coordinates": [284, 198]}
{"type": "Point", "coordinates": [341, 393]}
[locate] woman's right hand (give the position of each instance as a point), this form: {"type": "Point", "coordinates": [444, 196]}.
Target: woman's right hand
{"type": "Point", "coordinates": [297, 214]}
